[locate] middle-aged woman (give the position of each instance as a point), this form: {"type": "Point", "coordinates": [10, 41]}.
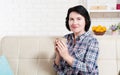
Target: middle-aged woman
{"type": "Point", "coordinates": [79, 55]}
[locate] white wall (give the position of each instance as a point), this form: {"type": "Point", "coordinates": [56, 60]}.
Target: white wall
{"type": "Point", "coordinates": [34, 17]}
{"type": "Point", "coordinates": [42, 17]}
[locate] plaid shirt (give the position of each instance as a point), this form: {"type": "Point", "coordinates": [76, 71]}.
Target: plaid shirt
{"type": "Point", "coordinates": [85, 52]}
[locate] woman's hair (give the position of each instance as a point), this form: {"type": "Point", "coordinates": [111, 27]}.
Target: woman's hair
{"type": "Point", "coordinates": [82, 11]}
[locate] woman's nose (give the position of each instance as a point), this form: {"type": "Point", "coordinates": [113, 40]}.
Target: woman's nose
{"type": "Point", "coordinates": [75, 22]}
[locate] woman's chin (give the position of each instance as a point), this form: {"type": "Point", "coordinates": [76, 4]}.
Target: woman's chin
{"type": "Point", "coordinates": [76, 32]}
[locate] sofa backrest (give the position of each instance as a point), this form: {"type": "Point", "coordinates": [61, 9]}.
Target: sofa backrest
{"type": "Point", "coordinates": [29, 55]}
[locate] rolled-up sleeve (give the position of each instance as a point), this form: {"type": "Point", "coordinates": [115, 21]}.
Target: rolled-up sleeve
{"type": "Point", "coordinates": [56, 67]}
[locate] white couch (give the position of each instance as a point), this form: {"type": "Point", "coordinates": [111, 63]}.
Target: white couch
{"type": "Point", "coordinates": [29, 55]}
{"type": "Point", "coordinates": [33, 55]}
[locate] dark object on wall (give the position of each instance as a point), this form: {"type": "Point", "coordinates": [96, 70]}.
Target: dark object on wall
{"type": "Point", "coordinates": [118, 5]}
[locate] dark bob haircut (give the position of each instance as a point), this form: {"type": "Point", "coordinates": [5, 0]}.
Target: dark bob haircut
{"type": "Point", "coordinates": [82, 11]}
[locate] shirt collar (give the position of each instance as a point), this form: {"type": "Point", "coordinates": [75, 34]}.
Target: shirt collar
{"type": "Point", "coordinates": [80, 36]}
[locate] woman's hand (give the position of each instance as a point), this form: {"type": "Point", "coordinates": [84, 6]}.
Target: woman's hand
{"type": "Point", "coordinates": [63, 52]}
{"type": "Point", "coordinates": [57, 58]}
{"type": "Point", "coordinates": [56, 50]}
{"type": "Point", "coordinates": [62, 49]}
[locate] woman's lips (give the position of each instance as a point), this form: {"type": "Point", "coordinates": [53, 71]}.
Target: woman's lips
{"type": "Point", "coordinates": [74, 26]}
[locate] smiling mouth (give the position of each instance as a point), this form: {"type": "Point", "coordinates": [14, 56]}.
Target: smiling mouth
{"type": "Point", "coordinates": [74, 26]}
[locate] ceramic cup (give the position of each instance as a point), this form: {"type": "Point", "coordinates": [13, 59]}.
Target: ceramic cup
{"type": "Point", "coordinates": [62, 39]}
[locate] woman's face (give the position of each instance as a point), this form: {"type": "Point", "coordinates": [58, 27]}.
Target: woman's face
{"type": "Point", "coordinates": [76, 23]}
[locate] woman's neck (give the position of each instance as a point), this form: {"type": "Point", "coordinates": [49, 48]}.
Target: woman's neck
{"type": "Point", "coordinates": [78, 34]}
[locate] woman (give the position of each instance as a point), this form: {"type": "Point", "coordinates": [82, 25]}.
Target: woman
{"type": "Point", "coordinates": [79, 55]}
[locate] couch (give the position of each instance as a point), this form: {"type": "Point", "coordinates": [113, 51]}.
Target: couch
{"type": "Point", "coordinates": [33, 55]}
{"type": "Point", "coordinates": [29, 55]}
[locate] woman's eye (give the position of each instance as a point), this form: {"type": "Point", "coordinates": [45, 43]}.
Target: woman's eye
{"type": "Point", "coordinates": [71, 19]}
{"type": "Point", "coordinates": [78, 18]}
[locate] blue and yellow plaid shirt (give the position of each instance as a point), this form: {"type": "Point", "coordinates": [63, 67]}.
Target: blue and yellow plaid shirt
{"type": "Point", "coordinates": [85, 52]}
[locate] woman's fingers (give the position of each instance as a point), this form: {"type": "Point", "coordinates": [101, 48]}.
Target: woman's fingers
{"type": "Point", "coordinates": [60, 45]}
{"type": "Point", "coordinates": [59, 48]}
{"type": "Point", "coordinates": [63, 44]}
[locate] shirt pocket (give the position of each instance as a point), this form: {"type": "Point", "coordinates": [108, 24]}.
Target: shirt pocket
{"type": "Point", "coordinates": [79, 54]}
